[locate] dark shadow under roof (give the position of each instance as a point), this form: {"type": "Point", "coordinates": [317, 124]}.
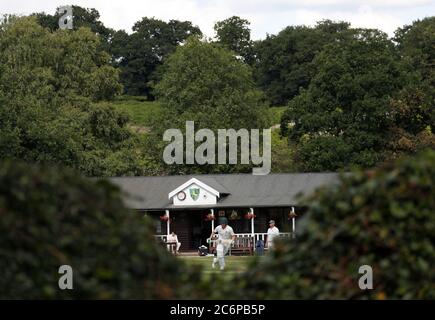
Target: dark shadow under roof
{"type": "Point", "coordinates": [237, 190]}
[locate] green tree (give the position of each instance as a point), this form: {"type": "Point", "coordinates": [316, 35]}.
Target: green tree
{"type": "Point", "coordinates": [416, 45]}
{"type": "Point", "coordinates": [412, 114]}
{"type": "Point", "coordinates": [234, 34]}
{"type": "Point", "coordinates": [52, 217]}
{"type": "Point", "coordinates": [82, 17]}
{"type": "Point", "coordinates": [383, 218]}
{"type": "Point", "coordinates": [342, 118]}
{"type": "Point", "coordinates": [206, 83]}
{"type": "Point", "coordinates": [284, 61]}
{"type": "Point", "coordinates": [413, 110]}
{"type": "Point", "coordinates": [140, 54]}
{"type": "Point", "coordinates": [52, 65]}
{"type": "Point", "coordinates": [48, 81]}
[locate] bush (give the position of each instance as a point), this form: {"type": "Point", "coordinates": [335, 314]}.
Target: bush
{"type": "Point", "coordinates": [51, 217]}
{"type": "Point", "coordinates": [384, 218]}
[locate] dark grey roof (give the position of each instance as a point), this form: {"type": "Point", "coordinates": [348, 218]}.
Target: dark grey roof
{"type": "Point", "coordinates": [239, 190]}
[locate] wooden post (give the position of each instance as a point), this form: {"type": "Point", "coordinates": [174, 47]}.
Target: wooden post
{"type": "Point", "coordinates": [293, 223]}
{"type": "Point", "coordinates": [252, 221]}
{"type": "Point", "coordinates": [212, 221]}
{"type": "Point", "coordinates": [168, 228]}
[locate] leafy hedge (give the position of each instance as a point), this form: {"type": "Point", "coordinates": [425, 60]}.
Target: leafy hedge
{"type": "Point", "coordinates": [51, 217]}
{"type": "Point", "coordinates": [384, 218]}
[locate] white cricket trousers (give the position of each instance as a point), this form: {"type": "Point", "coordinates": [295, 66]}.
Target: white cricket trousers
{"type": "Point", "coordinates": [222, 250]}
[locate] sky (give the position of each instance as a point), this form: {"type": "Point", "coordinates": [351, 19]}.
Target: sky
{"type": "Point", "coordinates": [266, 16]}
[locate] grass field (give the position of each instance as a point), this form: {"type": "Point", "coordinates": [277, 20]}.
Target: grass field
{"type": "Point", "coordinates": [141, 112]}
{"type": "Point", "coordinates": [234, 264]}
{"type": "Point", "coordinates": [275, 114]}
{"type": "Point", "coordinates": [144, 113]}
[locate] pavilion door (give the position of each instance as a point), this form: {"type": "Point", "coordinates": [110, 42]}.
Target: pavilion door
{"type": "Point", "coordinates": [191, 229]}
{"type": "Point", "coordinates": [182, 227]}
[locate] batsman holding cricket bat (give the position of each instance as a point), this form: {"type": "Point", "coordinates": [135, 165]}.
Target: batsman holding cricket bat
{"type": "Point", "coordinates": [224, 237]}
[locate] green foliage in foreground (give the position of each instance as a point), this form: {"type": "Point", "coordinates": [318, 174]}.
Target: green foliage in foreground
{"type": "Point", "coordinates": [384, 218]}
{"type": "Point", "coordinates": [51, 217]}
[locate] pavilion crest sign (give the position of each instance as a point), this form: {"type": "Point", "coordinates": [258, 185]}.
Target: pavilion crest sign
{"type": "Point", "coordinates": [194, 193]}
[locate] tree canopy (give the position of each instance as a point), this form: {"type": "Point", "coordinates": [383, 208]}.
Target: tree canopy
{"type": "Point", "coordinates": [140, 54]}
{"type": "Point", "coordinates": [413, 108]}
{"type": "Point", "coordinates": [416, 44]}
{"type": "Point", "coordinates": [234, 34]}
{"type": "Point", "coordinates": [49, 82]}
{"type": "Point", "coordinates": [82, 17]}
{"type": "Point", "coordinates": [284, 61]}
{"type": "Point", "coordinates": [342, 118]}
{"type": "Point", "coordinates": [137, 55]}
{"type": "Point", "coordinates": [206, 83]}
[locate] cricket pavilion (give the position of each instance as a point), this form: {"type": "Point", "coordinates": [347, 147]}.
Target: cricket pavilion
{"type": "Point", "coordinates": [190, 205]}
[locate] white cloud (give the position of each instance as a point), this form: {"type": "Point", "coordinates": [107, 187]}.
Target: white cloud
{"type": "Point", "coordinates": [266, 16]}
